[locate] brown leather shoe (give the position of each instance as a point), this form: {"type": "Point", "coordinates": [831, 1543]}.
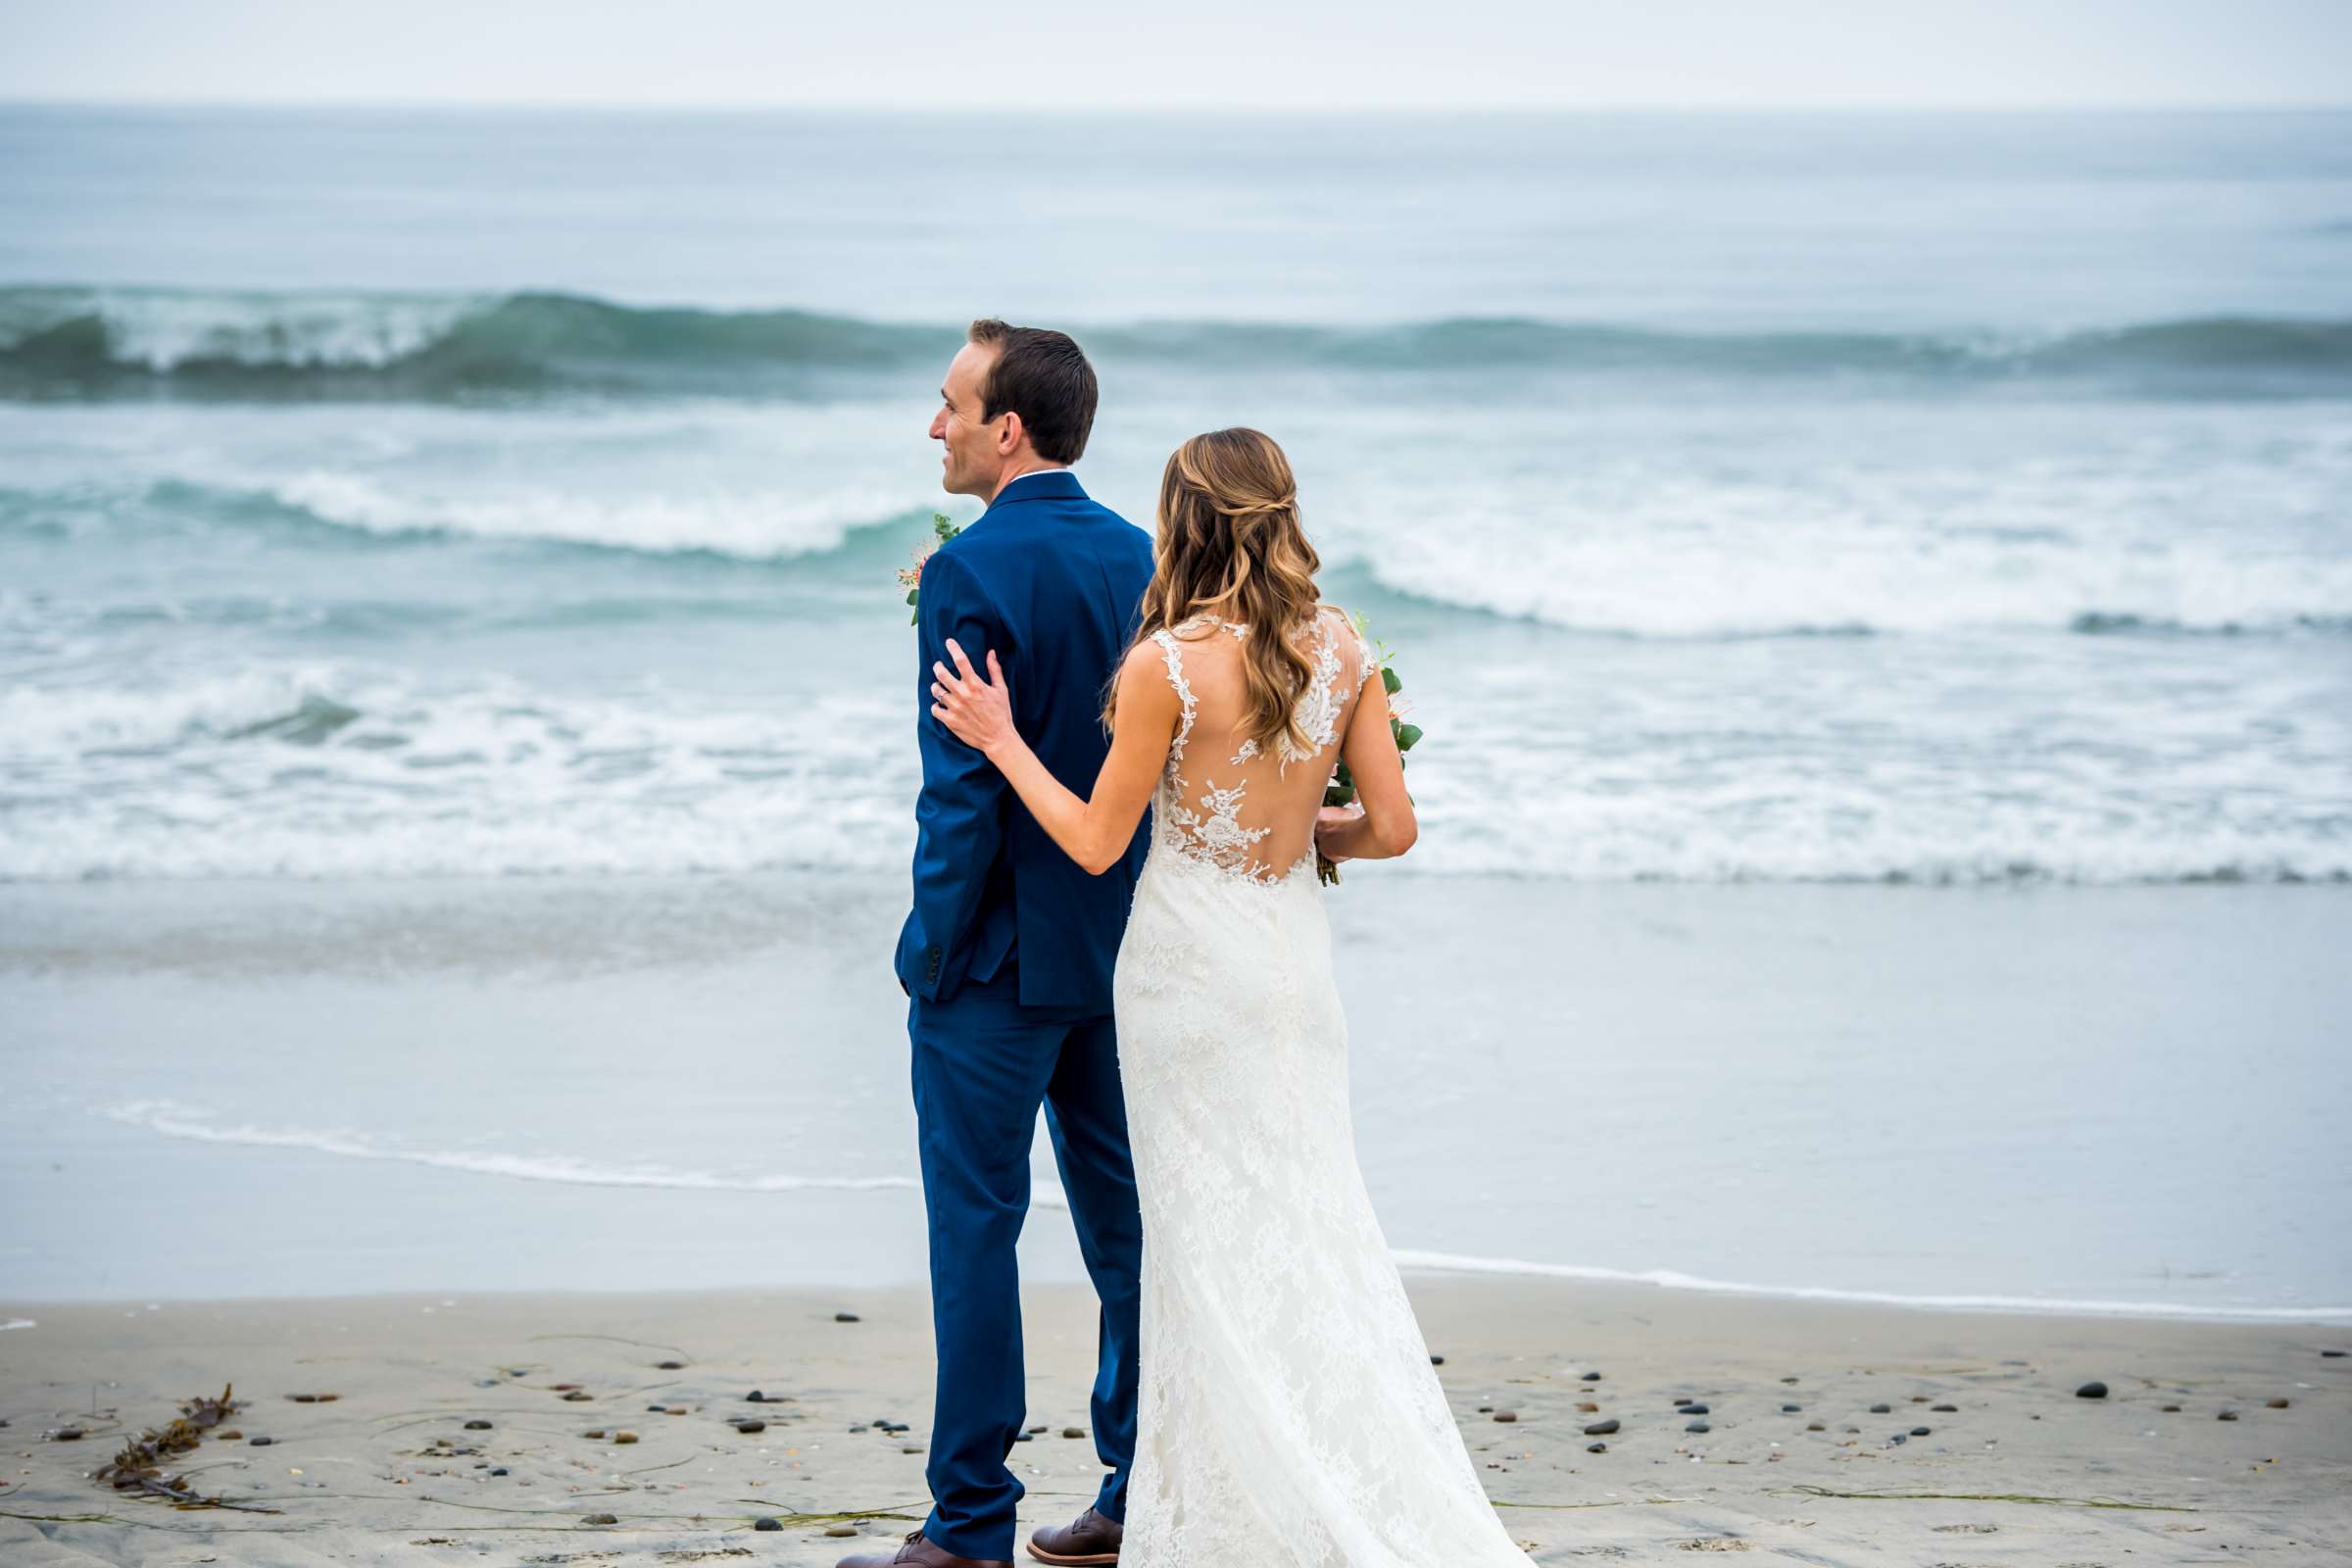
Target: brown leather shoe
{"type": "Point", "coordinates": [1086, 1542]}
{"type": "Point", "coordinates": [917, 1553]}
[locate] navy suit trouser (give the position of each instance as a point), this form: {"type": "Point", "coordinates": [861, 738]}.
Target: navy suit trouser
{"type": "Point", "coordinates": [983, 1065]}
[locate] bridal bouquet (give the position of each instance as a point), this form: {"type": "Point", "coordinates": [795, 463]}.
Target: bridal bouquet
{"type": "Point", "coordinates": [1341, 791]}
{"type": "Point", "coordinates": [911, 577]}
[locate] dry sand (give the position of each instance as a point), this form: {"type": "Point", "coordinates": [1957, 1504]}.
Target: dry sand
{"type": "Point", "coordinates": [389, 1471]}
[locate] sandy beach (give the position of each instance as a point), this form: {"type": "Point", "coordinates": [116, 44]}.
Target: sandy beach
{"type": "Point", "coordinates": [455, 1434]}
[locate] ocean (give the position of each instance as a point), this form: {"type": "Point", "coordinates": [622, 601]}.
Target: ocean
{"type": "Point", "coordinates": [409, 505]}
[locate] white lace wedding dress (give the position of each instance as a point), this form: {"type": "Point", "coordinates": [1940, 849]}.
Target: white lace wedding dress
{"type": "Point", "coordinates": [1289, 1412]}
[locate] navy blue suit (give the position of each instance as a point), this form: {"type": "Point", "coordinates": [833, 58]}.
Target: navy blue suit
{"type": "Point", "coordinates": [1007, 959]}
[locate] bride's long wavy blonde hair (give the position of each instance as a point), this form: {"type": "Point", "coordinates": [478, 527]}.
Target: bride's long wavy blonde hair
{"type": "Point", "coordinates": [1228, 544]}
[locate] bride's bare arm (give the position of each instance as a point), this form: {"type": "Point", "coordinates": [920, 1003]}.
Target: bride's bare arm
{"type": "Point", "coordinates": [1095, 831]}
{"type": "Point", "coordinates": [1385, 827]}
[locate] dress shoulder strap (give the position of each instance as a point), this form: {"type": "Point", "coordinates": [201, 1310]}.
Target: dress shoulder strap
{"type": "Point", "coordinates": [1184, 691]}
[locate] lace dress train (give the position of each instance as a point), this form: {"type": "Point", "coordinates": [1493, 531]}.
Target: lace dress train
{"type": "Point", "coordinates": [1289, 1412]}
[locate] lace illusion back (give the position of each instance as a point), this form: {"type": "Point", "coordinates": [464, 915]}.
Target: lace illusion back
{"type": "Point", "coordinates": [1287, 1412]}
{"type": "Point", "coordinates": [1224, 800]}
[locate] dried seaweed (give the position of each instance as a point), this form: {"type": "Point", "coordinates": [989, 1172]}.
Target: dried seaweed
{"type": "Point", "coordinates": [1992, 1497]}
{"type": "Point", "coordinates": [138, 1468]}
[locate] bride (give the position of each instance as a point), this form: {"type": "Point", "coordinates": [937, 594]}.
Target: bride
{"type": "Point", "coordinates": [1288, 1409]}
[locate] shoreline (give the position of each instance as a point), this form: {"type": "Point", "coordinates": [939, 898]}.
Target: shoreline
{"type": "Point", "coordinates": [2019, 1470]}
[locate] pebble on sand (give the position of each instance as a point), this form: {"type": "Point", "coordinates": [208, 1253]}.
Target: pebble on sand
{"type": "Point", "coordinates": [767, 1522]}
{"type": "Point", "coordinates": [670, 1366]}
{"type": "Point", "coordinates": [478, 1425]}
{"type": "Point", "coordinates": [601, 1519]}
{"type": "Point", "coordinates": [2278, 1404]}
{"type": "Point", "coordinates": [624, 1436]}
{"type": "Point", "coordinates": [1882, 1409]}
{"type": "Point", "coordinates": [1506, 1415]}
{"type": "Point", "coordinates": [1698, 1426]}
{"type": "Point", "coordinates": [845, 1318]}
{"type": "Point", "coordinates": [1073, 1432]}
{"type": "Point", "coordinates": [2092, 1391]}
{"type": "Point", "coordinates": [1596, 1447]}
{"type": "Point", "coordinates": [1600, 1429]}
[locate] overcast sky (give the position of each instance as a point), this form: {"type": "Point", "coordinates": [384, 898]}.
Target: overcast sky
{"type": "Point", "coordinates": [944, 54]}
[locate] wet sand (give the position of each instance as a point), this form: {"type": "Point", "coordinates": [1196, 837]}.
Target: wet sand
{"type": "Point", "coordinates": [2021, 1471]}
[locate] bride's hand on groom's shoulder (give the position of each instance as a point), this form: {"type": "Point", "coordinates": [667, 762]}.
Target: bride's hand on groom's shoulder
{"type": "Point", "coordinates": [977, 711]}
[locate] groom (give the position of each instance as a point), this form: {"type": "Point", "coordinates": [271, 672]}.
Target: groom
{"type": "Point", "coordinates": [1008, 953]}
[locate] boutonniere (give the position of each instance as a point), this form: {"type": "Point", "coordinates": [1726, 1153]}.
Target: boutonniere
{"type": "Point", "coordinates": [911, 577]}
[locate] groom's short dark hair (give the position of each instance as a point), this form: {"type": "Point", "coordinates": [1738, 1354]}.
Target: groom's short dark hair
{"type": "Point", "coordinates": [1043, 376]}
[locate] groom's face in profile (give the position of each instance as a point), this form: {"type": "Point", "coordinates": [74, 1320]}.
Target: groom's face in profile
{"type": "Point", "coordinates": [972, 459]}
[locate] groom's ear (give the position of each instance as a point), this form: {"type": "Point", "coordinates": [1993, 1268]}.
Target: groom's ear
{"type": "Point", "coordinates": [1010, 435]}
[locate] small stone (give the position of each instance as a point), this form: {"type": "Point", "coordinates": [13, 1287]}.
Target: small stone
{"type": "Point", "coordinates": [487, 1383]}
{"type": "Point", "coordinates": [657, 1409]}
{"type": "Point", "coordinates": [516, 1372]}
{"type": "Point", "coordinates": [1790, 1409]}
{"type": "Point", "coordinates": [233, 1434]}
{"type": "Point", "coordinates": [2332, 1354]}
{"type": "Point", "coordinates": [2092, 1391]}
{"type": "Point", "coordinates": [1596, 1447]}
{"type": "Point", "coordinates": [1586, 1405]}
{"type": "Point", "coordinates": [845, 1318]}
{"type": "Point", "coordinates": [841, 1530]}
{"type": "Point", "coordinates": [1695, 1409]}
{"type": "Point", "coordinates": [593, 1431]}
{"type": "Point", "coordinates": [1882, 1409]}
{"type": "Point", "coordinates": [1040, 1427]}
{"type": "Point", "coordinates": [562, 1388]}
{"type": "Point", "coordinates": [675, 1409]}
{"type": "Point", "coordinates": [670, 1366]}
{"type": "Point", "coordinates": [576, 1397]}
{"type": "Point", "coordinates": [2172, 1410]}
{"type": "Point", "coordinates": [624, 1436]}
{"type": "Point", "coordinates": [1073, 1432]}
{"type": "Point", "coordinates": [1506, 1416]}
{"type": "Point", "coordinates": [1788, 1380]}
{"type": "Point", "coordinates": [911, 1448]}
{"type": "Point", "coordinates": [2278, 1404]}
{"type": "Point", "coordinates": [2226, 1415]}
{"type": "Point", "coordinates": [1919, 1432]}
{"type": "Point", "coordinates": [601, 1519]}
{"type": "Point", "coordinates": [1601, 1429]}
{"type": "Point", "coordinates": [1436, 1360]}
{"type": "Point", "coordinates": [1486, 1409]}
{"type": "Point", "coordinates": [73, 1434]}
{"type": "Point", "coordinates": [498, 1470]}
{"type": "Point", "coordinates": [1592, 1376]}
{"type": "Point", "coordinates": [1024, 1437]}
{"type": "Point", "coordinates": [1698, 1426]}
{"type": "Point", "coordinates": [1899, 1438]}
{"type": "Point", "coordinates": [1947, 1407]}
{"type": "Point", "coordinates": [1816, 1426]}
{"type": "Point", "coordinates": [260, 1443]}
{"type": "Point", "coordinates": [1919, 1399]}
{"type": "Point", "coordinates": [769, 1522]}
{"type": "Point", "coordinates": [747, 1426]}
{"type": "Point", "coordinates": [478, 1425]}
{"type": "Point", "coordinates": [756, 1398]}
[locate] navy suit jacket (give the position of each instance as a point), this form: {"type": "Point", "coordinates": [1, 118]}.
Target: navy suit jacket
{"type": "Point", "coordinates": [1051, 581]}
